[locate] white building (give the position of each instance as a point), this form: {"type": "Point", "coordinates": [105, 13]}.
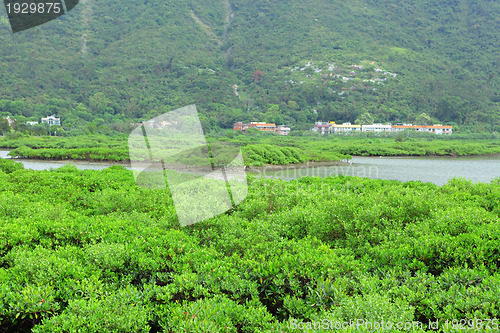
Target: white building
{"type": "Point", "coordinates": [435, 129]}
{"type": "Point", "coordinates": [376, 128]}
{"type": "Point", "coordinates": [345, 128]}
{"type": "Point", "coordinates": [51, 120]}
{"type": "Point", "coordinates": [321, 127]}
{"type": "Point", "coordinates": [10, 120]}
{"type": "Point", "coordinates": [282, 130]}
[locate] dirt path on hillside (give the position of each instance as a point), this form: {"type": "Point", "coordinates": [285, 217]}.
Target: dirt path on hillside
{"type": "Point", "coordinates": [210, 32]}
{"type": "Point", "coordinates": [227, 25]}
{"type": "Point", "coordinates": [206, 28]}
{"type": "Point", "coordinates": [87, 17]}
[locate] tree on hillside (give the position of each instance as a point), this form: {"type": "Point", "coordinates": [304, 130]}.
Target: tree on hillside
{"type": "Point", "coordinates": [4, 125]}
{"type": "Point", "coordinates": [257, 76]}
{"type": "Point", "coordinates": [423, 119]}
{"type": "Point", "coordinates": [450, 108]}
{"type": "Point", "coordinates": [365, 119]}
{"type": "Point", "coordinates": [293, 105]}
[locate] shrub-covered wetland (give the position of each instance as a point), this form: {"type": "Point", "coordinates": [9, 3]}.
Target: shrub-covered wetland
{"type": "Point", "coordinates": [261, 149]}
{"type": "Point", "coordinates": [89, 251]}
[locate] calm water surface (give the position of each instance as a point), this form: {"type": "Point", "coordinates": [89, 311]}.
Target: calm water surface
{"type": "Point", "coordinates": [437, 170]}
{"type": "Point", "coordinates": [46, 165]}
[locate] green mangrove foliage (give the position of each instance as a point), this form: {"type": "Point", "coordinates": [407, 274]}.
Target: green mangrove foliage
{"type": "Point", "coordinates": [90, 251]}
{"type": "Point", "coordinates": [337, 147]}
{"type": "Point", "coordinates": [82, 141]}
{"type": "Point", "coordinates": [87, 154]}
{"type": "Point", "coordinates": [103, 148]}
{"type": "Point", "coordinates": [90, 148]}
{"type": "Point", "coordinates": [262, 154]}
{"type": "Point", "coordinates": [258, 149]}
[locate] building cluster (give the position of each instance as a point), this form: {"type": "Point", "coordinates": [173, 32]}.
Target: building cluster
{"type": "Point", "coordinates": [50, 120]}
{"type": "Point", "coordinates": [265, 127]}
{"type": "Point", "coordinates": [326, 128]}
{"type": "Point", "coordinates": [333, 128]}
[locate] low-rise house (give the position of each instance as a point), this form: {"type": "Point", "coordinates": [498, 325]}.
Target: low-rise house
{"type": "Point", "coordinates": [435, 129]}
{"type": "Point", "coordinates": [282, 130]}
{"type": "Point", "coordinates": [10, 120]}
{"type": "Point", "coordinates": [163, 124]}
{"type": "Point", "coordinates": [345, 128]}
{"type": "Point", "coordinates": [265, 127]}
{"type": "Point", "coordinates": [321, 127]}
{"type": "Point", "coordinates": [376, 128]}
{"type": "Point", "coordinates": [262, 126]}
{"type": "Point", "coordinates": [32, 123]}
{"type": "Point", "coordinates": [333, 128]}
{"type": "Point", "coordinates": [238, 126]}
{"type": "Point", "coordinates": [51, 120]}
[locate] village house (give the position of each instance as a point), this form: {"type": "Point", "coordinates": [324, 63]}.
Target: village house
{"type": "Point", "coordinates": [345, 128]}
{"type": "Point", "coordinates": [282, 130]}
{"type": "Point", "coordinates": [262, 126]}
{"type": "Point", "coordinates": [51, 120]}
{"type": "Point", "coordinates": [321, 127]}
{"type": "Point", "coordinates": [333, 128]}
{"type": "Point", "coordinates": [376, 128]}
{"type": "Point", "coordinates": [238, 126]}
{"type": "Point", "coordinates": [10, 120]}
{"type": "Point", "coordinates": [435, 129]}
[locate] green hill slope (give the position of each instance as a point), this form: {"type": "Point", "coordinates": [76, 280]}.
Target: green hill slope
{"type": "Point", "coordinates": [292, 61]}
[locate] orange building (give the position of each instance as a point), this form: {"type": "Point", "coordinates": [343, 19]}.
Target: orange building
{"type": "Point", "coordinates": [238, 126]}
{"type": "Point", "coordinates": [261, 126]}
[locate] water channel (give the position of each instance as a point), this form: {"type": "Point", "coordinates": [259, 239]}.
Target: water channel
{"type": "Point", "coordinates": [437, 170]}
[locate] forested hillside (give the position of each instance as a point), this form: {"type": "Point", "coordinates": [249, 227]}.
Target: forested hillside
{"type": "Point", "coordinates": [291, 62]}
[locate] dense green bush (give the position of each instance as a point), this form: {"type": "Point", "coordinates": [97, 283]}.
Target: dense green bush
{"type": "Point", "coordinates": [261, 154]}
{"type": "Point", "coordinates": [259, 150]}
{"type": "Point", "coordinates": [87, 154]}
{"type": "Point", "coordinates": [89, 251]}
{"type": "Point", "coordinates": [9, 166]}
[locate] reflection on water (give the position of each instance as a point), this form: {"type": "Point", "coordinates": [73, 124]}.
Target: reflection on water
{"type": "Point", "coordinates": [46, 165]}
{"type": "Point", "coordinates": [4, 154]}
{"type": "Point", "coordinates": [437, 170]}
